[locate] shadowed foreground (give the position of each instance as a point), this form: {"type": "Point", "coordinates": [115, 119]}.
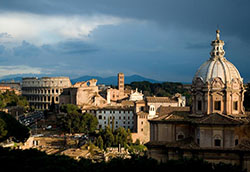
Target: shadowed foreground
{"type": "Point", "coordinates": [34, 160]}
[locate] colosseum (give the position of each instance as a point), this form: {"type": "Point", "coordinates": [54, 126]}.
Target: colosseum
{"type": "Point", "coordinates": [41, 92]}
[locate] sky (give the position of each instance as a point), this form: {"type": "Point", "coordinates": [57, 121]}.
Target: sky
{"type": "Point", "coordinates": [166, 40]}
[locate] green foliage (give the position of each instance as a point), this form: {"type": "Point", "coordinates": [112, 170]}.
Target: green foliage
{"type": "Point", "coordinates": [164, 89]}
{"type": "Point", "coordinates": [9, 98]}
{"type": "Point", "coordinates": [137, 149]}
{"type": "Point", "coordinates": [69, 108]}
{"type": "Point", "coordinates": [3, 131]}
{"type": "Point", "coordinates": [137, 142]}
{"type": "Point", "coordinates": [14, 128]}
{"type": "Point", "coordinates": [89, 122]}
{"type": "Point", "coordinates": [108, 137]}
{"type": "Point", "coordinates": [99, 142]}
{"type": "Point", "coordinates": [120, 136]}
{"type": "Point", "coordinates": [33, 160]}
{"type": "Point", "coordinates": [75, 122]}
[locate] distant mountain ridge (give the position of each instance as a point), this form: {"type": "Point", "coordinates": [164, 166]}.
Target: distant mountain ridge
{"type": "Point", "coordinates": [112, 80]}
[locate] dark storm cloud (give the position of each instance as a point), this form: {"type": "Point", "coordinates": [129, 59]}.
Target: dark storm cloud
{"type": "Point", "coordinates": [198, 15]}
{"type": "Point", "coordinates": [70, 47]}
{"type": "Point", "coordinates": [26, 50]}
{"type": "Point", "coordinates": [172, 43]}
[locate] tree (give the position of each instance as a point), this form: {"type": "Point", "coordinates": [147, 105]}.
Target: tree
{"type": "Point", "coordinates": [69, 108]}
{"type": "Point", "coordinates": [75, 122]}
{"type": "Point", "coordinates": [14, 129]}
{"type": "Point", "coordinates": [121, 136]}
{"type": "Point", "coordinates": [9, 98]}
{"type": "Point", "coordinates": [100, 142]}
{"type": "Point", "coordinates": [71, 123]}
{"type": "Point", "coordinates": [129, 137]}
{"type": "Point", "coordinates": [108, 137]}
{"type": "Point", "coordinates": [3, 131]}
{"type": "Point", "coordinates": [90, 122]}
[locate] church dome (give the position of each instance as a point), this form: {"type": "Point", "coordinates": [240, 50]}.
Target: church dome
{"type": "Point", "coordinates": [217, 66]}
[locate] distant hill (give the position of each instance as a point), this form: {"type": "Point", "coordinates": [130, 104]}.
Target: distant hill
{"type": "Point", "coordinates": [112, 80]}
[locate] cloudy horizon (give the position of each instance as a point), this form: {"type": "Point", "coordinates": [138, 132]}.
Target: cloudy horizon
{"type": "Point", "coordinates": [162, 40]}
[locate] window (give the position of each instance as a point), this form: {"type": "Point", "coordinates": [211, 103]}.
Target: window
{"type": "Point", "coordinates": [217, 105]}
{"type": "Point", "coordinates": [100, 117]}
{"type": "Point", "coordinates": [235, 105]}
{"type": "Point", "coordinates": [217, 142]}
{"type": "Point", "coordinates": [180, 137]}
{"type": "Point", "coordinates": [236, 142]}
{"type": "Point", "coordinates": [199, 104]}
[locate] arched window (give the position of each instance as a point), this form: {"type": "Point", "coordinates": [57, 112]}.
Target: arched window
{"type": "Point", "coordinates": [217, 141]}
{"type": "Point", "coordinates": [180, 136]}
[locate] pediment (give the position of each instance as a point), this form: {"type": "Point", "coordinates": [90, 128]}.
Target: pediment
{"type": "Point", "coordinates": [198, 82]}
{"type": "Point", "coordinates": [217, 83]}
{"type": "Point", "coordinates": [235, 83]}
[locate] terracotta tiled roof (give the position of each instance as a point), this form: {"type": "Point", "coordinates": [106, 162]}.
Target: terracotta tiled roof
{"type": "Point", "coordinates": [212, 119]}
{"type": "Point", "coordinates": [161, 99]}
{"type": "Point", "coordinates": [127, 103]}
{"type": "Point", "coordinates": [218, 119]}
{"type": "Point", "coordinates": [174, 117]}
{"type": "Point", "coordinates": [142, 114]}
{"type": "Point", "coordinates": [163, 110]}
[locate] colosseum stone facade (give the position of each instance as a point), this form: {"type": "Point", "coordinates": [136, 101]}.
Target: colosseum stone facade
{"type": "Point", "coordinates": [41, 92]}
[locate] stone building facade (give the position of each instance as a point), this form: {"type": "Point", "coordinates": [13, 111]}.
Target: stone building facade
{"type": "Point", "coordinates": [41, 92]}
{"type": "Point", "coordinates": [153, 107]}
{"type": "Point", "coordinates": [116, 116]}
{"type": "Point", "coordinates": [11, 86]}
{"type": "Point", "coordinates": [213, 130]}
{"type": "Point", "coordinates": [84, 94]}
